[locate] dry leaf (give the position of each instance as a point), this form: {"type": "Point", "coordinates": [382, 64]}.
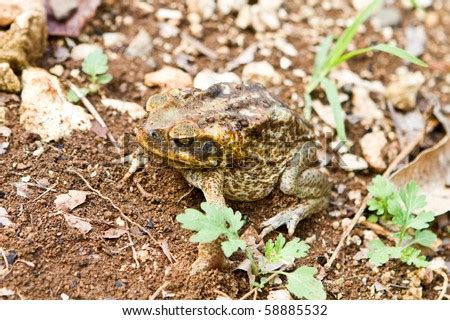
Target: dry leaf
{"type": "Point", "coordinates": [76, 222]}
{"type": "Point", "coordinates": [431, 171]}
{"type": "Point", "coordinates": [113, 233]}
{"type": "Point", "coordinates": [71, 200]}
{"type": "Point", "coordinates": [165, 248]}
{"type": "Point", "coordinates": [22, 189]}
{"type": "Point", "coordinates": [98, 129]}
{"type": "Point", "coordinates": [5, 218]}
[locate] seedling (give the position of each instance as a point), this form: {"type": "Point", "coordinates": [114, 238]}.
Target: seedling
{"type": "Point", "coordinates": [405, 210]}
{"type": "Point", "coordinates": [95, 65]}
{"type": "Point", "coordinates": [331, 55]}
{"type": "Point", "coordinates": [222, 222]}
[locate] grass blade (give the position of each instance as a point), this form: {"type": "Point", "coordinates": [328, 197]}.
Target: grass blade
{"type": "Point", "coordinates": [350, 55]}
{"type": "Point", "coordinates": [321, 56]}
{"type": "Point", "coordinates": [333, 98]}
{"type": "Point", "coordinates": [402, 54]}
{"type": "Point", "coordinates": [343, 41]}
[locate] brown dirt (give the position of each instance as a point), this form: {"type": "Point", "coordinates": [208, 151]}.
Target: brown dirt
{"type": "Point", "coordinates": [89, 267]}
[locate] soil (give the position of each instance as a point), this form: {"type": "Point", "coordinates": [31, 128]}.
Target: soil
{"type": "Point", "coordinates": [87, 266]}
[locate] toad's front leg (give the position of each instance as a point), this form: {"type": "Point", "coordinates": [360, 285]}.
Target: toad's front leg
{"type": "Point", "coordinates": [210, 255]}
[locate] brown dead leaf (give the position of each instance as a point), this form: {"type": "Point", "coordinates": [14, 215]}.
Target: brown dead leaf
{"type": "Point", "coordinates": [69, 201]}
{"type": "Point", "coordinates": [166, 250]}
{"type": "Point", "coordinates": [72, 26]}
{"type": "Point", "coordinates": [113, 233]}
{"type": "Point", "coordinates": [98, 129]}
{"type": "Point", "coordinates": [76, 222]}
{"type": "Point", "coordinates": [5, 218]}
{"type": "Point", "coordinates": [431, 171]}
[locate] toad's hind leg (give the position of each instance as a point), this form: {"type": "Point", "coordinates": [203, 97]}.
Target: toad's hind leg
{"type": "Point", "coordinates": [308, 183]}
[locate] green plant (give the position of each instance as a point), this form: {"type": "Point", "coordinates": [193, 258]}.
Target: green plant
{"type": "Point", "coordinates": [221, 222]}
{"type": "Point", "coordinates": [331, 55]}
{"type": "Point", "coordinates": [95, 65]}
{"type": "Point", "coordinates": [405, 210]}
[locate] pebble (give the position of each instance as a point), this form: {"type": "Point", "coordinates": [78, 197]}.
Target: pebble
{"type": "Point", "coordinates": [286, 47]}
{"type": "Point", "coordinates": [61, 54]}
{"type": "Point", "coordinates": [206, 78]}
{"type": "Point", "coordinates": [262, 72]}
{"type": "Point", "coordinates": [227, 6]}
{"type": "Point", "coordinates": [168, 14]}
{"type": "Point", "coordinates": [386, 17]}
{"type": "Point", "coordinates": [285, 63]}
{"type": "Point", "coordinates": [114, 39]}
{"type": "Point", "coordinates": [8, 14]}
{"type": "Point", "coordinates": [402, 90]}
{"type": "Point", "coordinates": [57, 70]}
{"type": "Point", "coordinates": [244, 18]}
{"type": "Point", "coordinates": [416, 39]}
{"type": "Point", "coordinates": [167, 30]}
{"type": "Point", "coordinates": [360, 4]}
{"type": "Point", "coordinates": [62, 9]}
{"type": "Point", "coordinates": [373, 145]}
{"type": "Point", "coordinates": [350, 162]}
{"type": "Point", "coordinates": [168, 77]}
{"type": "Point", "coordinates": [205, 8]}
{"type": "Point", "coordinates": [364, 108]}
{"type": "Point", "coordinates": [140, 46]}
{"type": "Point", "coordinates": [11, 257]}
{"type": "Point", "coordinates": [81, 51]}
{"type": "Point", "coordinates": [282, 294]}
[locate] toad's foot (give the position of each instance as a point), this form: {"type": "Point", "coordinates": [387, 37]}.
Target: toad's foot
{"type": "Point", "coordinates": [137, 160]}
{"type": "Point", "coordinates": [292, 216]}
{"type": "Point", "coordinates": [210, 256]}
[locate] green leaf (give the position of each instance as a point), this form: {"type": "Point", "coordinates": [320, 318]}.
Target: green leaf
{"type": "Point", "coordinates": [421, 220]}
{"type": "Point", "coordinates": [350, 55]}
{"type": "Point", "coordinates": [410, 197]}
{"type": "Point", "coordinates": [372, 218]}
{"type": "Point", "coordinates": [95, 63]}
{"type": "Point", "coordinates": [72, 96]}
{"type": "Point", "coordinates": [396, 211]}
{"type": "Point", "coordinates": [333, 98]}
{"type": "Point", "coordinates": [346, 37]}
{"type": "Point", "coordinates": [400, 53]}
{"type": "Point", "coordinates": [413, 256]}
{"type": "Point", "coordinates": [381, 187]}
{"type": "Point", "coordinates": [321, 56]}
{"type": "Point", "coordinates": [425, 238]}
{"type": "Point", "coordinates": [302, 284]}
{"type": "Point", "coordinates": [231, 246]}
{"type": "Point", "coordinates": [104, 78]}
{"type": "Point", "coordinates": [379, 253]}
{"type": "Point", "coordinates": [283, 252]}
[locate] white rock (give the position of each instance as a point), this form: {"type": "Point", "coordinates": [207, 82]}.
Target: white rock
{"type": "Point", "coordinates": [285, 63]}
{"type": "Point", "coordinates": [167, 30]}
{"type": "Point", "coordinates": [114, 39]}
{"type": "Point", "coordinates": [299, 73]}
{"type": "Point", "coordinates": [416, 39]}
{"type": "Point", "coordinates": [244, 18]}
{"type": "Point", "coordinates": [270, 19]}
{"type": "Point", "coordinates": [286, 47]}
{"type": "Point", "coordinates": [206, 78]}
{"type": "Point", "coordinates": [350, 162]}
{"type": "Point", "coordinates": [44, 109]}
{"type": "Point", "coordinates": [57, 70]}
{"type": "Point", "coordinates": [168, 77]}
{"type": "Point", "coordinates": [62, 9]}
{"type": "Point", "coordinates": [360, 4]}
{"type": "Point", "coordinates": [262, 72]}
{"type": "Point", "coordinates": [205, 8]}
{"type": "Point", "coordinates": [364, 107]}
{"type": "Point", "coordinates": [227, 6]}
{"type": "Point", "coordinates": [140, 46]}
{"type": "Point", "coordinates": [402, 90]}
{"type": "Point", "coordinates": [345, 77]}
{"type": "Point", "coordinates": [373, 145]}
{"type": "Point", "coordinates": [5, 218]}
{"type": "Point", "coordinates": [82, 50]}
{"type": "Point", "coordinates": [282, 294]}
{"type": "Point", "coordinates": [168, 14]}
{"type": "Point", "coordinates": [134, 110]}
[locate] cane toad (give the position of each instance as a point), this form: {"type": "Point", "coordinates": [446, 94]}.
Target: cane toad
{"type": "Point", "coordinates": [237, 142]}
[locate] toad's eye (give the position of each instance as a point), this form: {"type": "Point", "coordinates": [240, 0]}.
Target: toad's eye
{"type": "Point", "coordinates": [209, 147]}
{"type": "Point", "coordinates": [183, 142]}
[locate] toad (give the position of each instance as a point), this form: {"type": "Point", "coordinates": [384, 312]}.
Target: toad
{"type": "Point", "coordinates": [237, 142]}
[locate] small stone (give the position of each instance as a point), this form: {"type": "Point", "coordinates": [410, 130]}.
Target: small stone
{"type": "Point", "coordinates": [286, 47]}
{"type": "Point", "coordinates": [262, 72]}
{"type": "Point", "coordinates": [119, 222]}
{"type": "Point", "coordinates": [244, 18]}
{"type": "Point", "coordinates": [387, 17]}
{"type": "Point", "coordinates": [168, 77]}
{"type": "Point", "coordinates": [361, 4]}
{"type": "Point", "coordinates": [205, 8]}
{"type": "Point", "coordinates": [61, 54]}
{"type": "Point", "coordinates": [282, 294]}
{"type": "Point", "coordinates": [11, 257]}
{"type": "Point", "coordinates": [299, 73]}
{"type": "Point", "coordinates": [168, 14]}
{"type": "Point", "coordinates": [118, 284]}
{"type": "Point", "coordinates": [114, 39]}
{"type": "Point", "coordinates": [364, 108]}
{"type": "Point", "coordinates": [150, 224]}
{"type": "Point", "coordinates": [134, 110]}
{"type": "Point", "coordinates": [128, 20]}
{"type": "Point", "coordinates": [64, 296]}
{"type": "Point", "coordinates": [8, 80]}
{"type": "Point", "coordinates": [57, 70]}
{"type": "Point", "coordinates": [8, 14]}
{"type": "Point", "coordinates": [206, 78]}
{"type": "Point", "coordinates": [416, 39]}
{"type": "Point", "coordinates": [140, 46]}
{"type": "Point", "coordinates": [270, 19]}
{"type": "Point", "coordinates": [373, 145]}
{"type": "Point", "coordinates": [62, 9]}
{"type": "Point", "coordinates": [228, 6]}
{"type": "Point", "coordinates": [81, 51]}
{"type": "Point", "coordinates": [402, 90]}
{"type": "Point", "coordinates": [350, 162]}
{"type": "Point", "coordinates": [167, 30]}
{"type": "Point", "coordinates": [285, 63]}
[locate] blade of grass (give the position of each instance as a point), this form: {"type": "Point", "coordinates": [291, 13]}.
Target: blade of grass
{"type": "Point", "coordinates": [350, 55]}
{"type": "Point", "coordinates": [402, 54]}
{"type": "Point", "coordinates": [321, 56]}
{"type": "Point", "coordinates": [333, 98]}
{"type": "Point", "coordinates": [344, 40]}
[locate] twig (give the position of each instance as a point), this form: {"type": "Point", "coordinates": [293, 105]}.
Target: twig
{"type": "Point", "coordinates": [133, 249]}
{"type": "Point", "coordinates": [185, 195]}
{"type": "Point", "coordinates": [159, 290]}
{"type": "Point", "coordinates": [406, 151]}
{"type": "Point", "coordinates": [94, 113]}
{"type": "Point", "coordinates": [45, 192]}
{"type": "Point", "coordinates": [379, 230]}
{"type": "Point", "coordinates": [28, 263]}
{"type": "Point", "coordinates": [248, 294]}
{"type": "Point", "coordinates": [444, 285]}
{"type": "Point", "coordinates": [141, 189]}
{"type": "Point", "coordinates": [221, 293]}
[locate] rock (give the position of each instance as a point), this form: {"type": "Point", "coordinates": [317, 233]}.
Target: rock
{"type": "Point", "coordinates": [57, 70]}
{"type": "Point", "coordinates": [62, 9]}
{"type": "Point", "coordinates": [206, 78]}
{"type": "Point", "coordinates": [168, 14]}
{"type": "Point", "coordinates": [282, 294]}
{"type": "Point", "coordinates": [350, 162]}
{"type": "Point", "coordinates": [8, 14]}
{"type": "Point", "coordinates": [134, 110]}
{"type": "Point", "coordinates": [44, 109]}
{"type": "Point", "coordinates": [402, 90]}
{"type": "Point", "coordinates": [61, 54]}
{"type": "Point", "coordinates": [345, 77]}
{"type": "Point", "coordinates": [81, 51]}
{"type": "Point", "coordinates": [244, 18]}
{"type": "Point", "coordinates": [245, 57]}
{"type": "Point", "coordinates": [262, 72]}
{"type": "Point", "coordinates": [387, 17]}
{"type": "Point", "coordinates": [286, 47]}
{"type": "Point", "coordinates": [205, 8]}
{"type": "Point", "coordinates": [364, 108]}
{"type": "Point", "coordinates": [373, 146]}
{"type": "Point", "coordinates": [114, 39]}
{"type": "Point", "coordinates": [168, 77]}
{"type": "Point", "coordinates": [5, 219]}
{"type": "Point", "coordinates": [9, 82]}
{"type": "Point", "coordinates": [140, 46]}
{"type": "Point", "coordinates": [227, 6]}
{"type": "Point", "coordinates": [285, 63]}
{"type": "Point", "coordinates": [167, 30]}
{"type": "Point", "coordinates": [420, 3]}
{"type": "Point", "coordinates": [416, 39]}
{"type": "Point", "coordinates": [361, 4]}
{"type": "Point", "coordinates": [269, 18]}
